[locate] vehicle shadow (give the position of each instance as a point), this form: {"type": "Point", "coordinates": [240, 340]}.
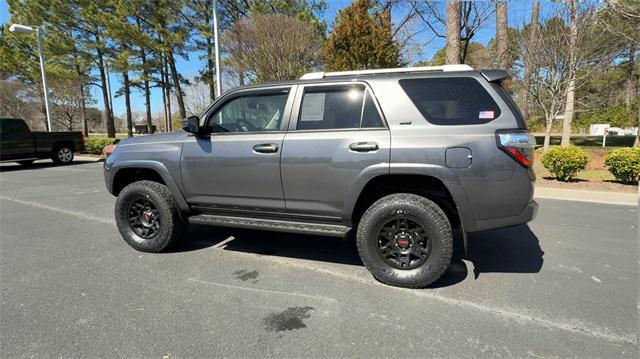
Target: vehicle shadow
{"type": "Point", "coordinates": [13, 166]}
{"type": "Point", "coordinates": [508, 250]}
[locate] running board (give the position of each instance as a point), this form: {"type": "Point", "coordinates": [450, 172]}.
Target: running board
{"type": "Point", "coordinates": [331, 230]}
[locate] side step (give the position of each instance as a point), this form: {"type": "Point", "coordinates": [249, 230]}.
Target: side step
{"type": "Point", "coordinates": [332, 230]}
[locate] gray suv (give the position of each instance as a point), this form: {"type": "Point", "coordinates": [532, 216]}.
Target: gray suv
{"type": "Point", "coordinates": [397, 157]}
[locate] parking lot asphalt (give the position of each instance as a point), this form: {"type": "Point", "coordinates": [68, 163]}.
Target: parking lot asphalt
{"type": "Point", "coordinates": [564, 286]}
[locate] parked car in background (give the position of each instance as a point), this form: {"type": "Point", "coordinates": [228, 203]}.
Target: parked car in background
{"type": "Point", "coordinates": [400, 157]}
{"type": "Point", "coordinates": [19, 144]}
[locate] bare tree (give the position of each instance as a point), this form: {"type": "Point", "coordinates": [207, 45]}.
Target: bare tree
{"type": "Point", "coordinates": [472, 15]}
{"type": "Point", "coordinates": [547, 87]}
{"type": "Point", "coordinates": [502, 37]}
{"type": "Point", "coordinates": [196, 97]}
{"type": "Point", "coordinates": [528, 69]}
{"type": "Point", "coordinates": [67, 104]}
{"type": "Point", "coordinates": [556, 67]}
{"type": "Point", "coordinates": [573, 61]}
{"type": "Point", "coordinates": [272, 47]}
{"type": "Point", "coordinates": [453, 32]}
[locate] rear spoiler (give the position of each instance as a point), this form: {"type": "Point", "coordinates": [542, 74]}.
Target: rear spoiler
{"type": "Point", "coordinates": [496, 76]}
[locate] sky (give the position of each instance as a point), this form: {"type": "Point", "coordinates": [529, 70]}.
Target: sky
{"type": "Point", "coordinates": [519, 13]}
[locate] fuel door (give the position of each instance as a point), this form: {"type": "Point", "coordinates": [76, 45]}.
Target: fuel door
{"type": "Point", "coordinates": [458, 157]}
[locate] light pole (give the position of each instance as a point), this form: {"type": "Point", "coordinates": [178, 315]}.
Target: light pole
{"type": "Point", "coordinates": [22, 29]}
{"type": "Point", "coordinates": [216, 39]}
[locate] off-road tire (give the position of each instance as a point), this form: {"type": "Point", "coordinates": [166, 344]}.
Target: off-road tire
{"type": "Point", "coordinates": [171, 226]}
{"type": "Point", "coordinates": [62, 154]}
{"type": "Point", "coordinates": [421, 211]}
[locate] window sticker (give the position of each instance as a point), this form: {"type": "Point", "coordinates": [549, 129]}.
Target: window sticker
{"type": "Point", "coordinates": [313, 107]}
{"type": "Point", "coordinates": [486, 115]}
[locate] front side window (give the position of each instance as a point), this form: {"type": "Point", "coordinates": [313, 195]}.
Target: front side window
{"type": "Point", "coordinates": [451, 101]}
{"type": "Point", "coordinates": [250, 113]}
{"type": "Point", "coordinates": [338, 107]}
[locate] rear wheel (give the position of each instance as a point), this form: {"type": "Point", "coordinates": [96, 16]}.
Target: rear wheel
{"type": "Point", "coordinates": [405, 240]}
{"type": "Point", "coordinates": [62, 154]}
{"type": "Point", "coordinates": [147, 216]}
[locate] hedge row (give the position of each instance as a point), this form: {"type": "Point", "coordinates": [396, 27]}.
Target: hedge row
{"type": "Point", "coordinates": [624, 164]}
{"type": "Point", "coordinates": [95, 145]}
{"type": "Point", "coordinates": [565, 163]}
{"type": "Point", "coordinates": [612, 141]}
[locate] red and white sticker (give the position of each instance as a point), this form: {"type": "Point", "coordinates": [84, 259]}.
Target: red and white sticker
{"type": "Point", "coordinates": [486, 115]}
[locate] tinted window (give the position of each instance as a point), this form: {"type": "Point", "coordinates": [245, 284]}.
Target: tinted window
{"type": "Point", "coordinates": [370, 115]}
{"type": "Point", "coordinates": [451, 101]}
{"type": "Point", "coordinates": [250, 113]}
{"type": "Point", "coordinates": [336, 107]}
{"type": "Point", "coordinates": [13, 127]}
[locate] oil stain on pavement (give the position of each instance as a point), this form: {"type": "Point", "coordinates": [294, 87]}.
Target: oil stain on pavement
{"type": "Point", "coordinates": [290, 319]}
{"type": "Point", "coordinates": [244, 276]}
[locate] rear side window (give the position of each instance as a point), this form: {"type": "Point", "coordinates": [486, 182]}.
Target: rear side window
{"type": "Point", "coordinates": [338, 107]}
{"type": "Point", "coordinates": [451, 101]}
{"type": "Point", "coordinates": [13, 127]}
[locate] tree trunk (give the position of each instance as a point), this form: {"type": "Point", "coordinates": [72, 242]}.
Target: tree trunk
{"type": "Point", "coordinates": [147, 91]}
{"type": "Point", "coordinates": [163, 87]}
{"type": "Point", "coordinates": [83, 111]}
{"type": "Point", "coordinates": [111, 128]}
{"type": "Point", "coordinates": [168, 87]}
{"type": "Point", "coordinates": [453, 32]}
{"type": "Point", "coordinates": [127, 102]}
{"type": "Point", "coordinates": [176, 84]}
{"type": "Point", "coordinates": [533, 33]}
{"type": "Point", "coordinates": [502, 39]}
{"type": "Point", "coordinates": [571, 89]}
{"type": "Point", "coordinates": [630, 84]}
{"type": "Point", "coordinates": [547, 133]}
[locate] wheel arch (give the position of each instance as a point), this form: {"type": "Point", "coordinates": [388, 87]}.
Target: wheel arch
{"type": "Point", "coordinates": [132, 171]}
{"type": "Point", "coordinates": [449, 195]}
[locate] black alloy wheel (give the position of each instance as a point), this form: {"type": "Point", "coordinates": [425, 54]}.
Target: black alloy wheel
{"type": "Point", "coordinates": [403, 243]}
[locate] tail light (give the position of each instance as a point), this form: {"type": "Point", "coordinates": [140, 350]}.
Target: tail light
{"type": "Point", "coordinates": [108, 150]}
{"type": "Point", "coordinates": [518, 144]}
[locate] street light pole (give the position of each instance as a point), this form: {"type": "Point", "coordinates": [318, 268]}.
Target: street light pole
{"type": "Point", "coordinates": [216, 40]}
{"type": "Point", "coordinates": [39, 31]}
{"type": "Point", "coordinates": [23, 29]}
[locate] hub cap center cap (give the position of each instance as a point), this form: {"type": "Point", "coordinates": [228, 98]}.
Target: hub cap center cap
{"type": "Point", "coordinates": [403, 241]}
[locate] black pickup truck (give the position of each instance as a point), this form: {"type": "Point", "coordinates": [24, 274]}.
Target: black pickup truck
{"type": "Point", "coordinates": [19, 144]}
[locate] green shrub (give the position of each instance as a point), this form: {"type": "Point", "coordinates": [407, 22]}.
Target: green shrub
{"type": "Point", "coordinates": [95, 145]}
{"type": "Point", "coordinates": [565, 162]}
{"type": "Point", "coordinates": [624, 164]}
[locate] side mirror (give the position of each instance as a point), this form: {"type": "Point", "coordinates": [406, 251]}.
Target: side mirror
{"type": "Point", "coordinates": [191, 124]}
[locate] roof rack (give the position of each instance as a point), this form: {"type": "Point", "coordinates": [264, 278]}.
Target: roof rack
{"type": "Point", "coordinates": [444, 68]}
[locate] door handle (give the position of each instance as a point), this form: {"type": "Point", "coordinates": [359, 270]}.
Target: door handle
{"type": "Point", "coordinates": [363, 146]}
{"type": "Point", "coordinates": [266, 148]}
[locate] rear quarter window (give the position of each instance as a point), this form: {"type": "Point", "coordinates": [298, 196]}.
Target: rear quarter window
{"type": "Point", "coordinates": [451, 101]}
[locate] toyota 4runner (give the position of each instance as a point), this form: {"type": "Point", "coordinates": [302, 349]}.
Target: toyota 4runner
{"type": "Point", "coordinates": [399, 157]}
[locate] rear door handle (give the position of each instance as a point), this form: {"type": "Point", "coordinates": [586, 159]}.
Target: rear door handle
{"type": "Point", "coordinates": [266, 148]}
{"type": "Point", "coordinates": [363, 146]}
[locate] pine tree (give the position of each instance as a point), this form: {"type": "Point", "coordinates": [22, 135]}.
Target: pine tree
{"type": "Point", "coordinates": [362, 39]}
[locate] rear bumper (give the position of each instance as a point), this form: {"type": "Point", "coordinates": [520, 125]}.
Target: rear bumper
{"type": "Point", "coordinates": [528, 214]}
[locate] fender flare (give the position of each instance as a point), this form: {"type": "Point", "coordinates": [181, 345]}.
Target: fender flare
{"type": "Point", "coordinates": [164, 173]}
{"type": "Point", "coordinates": [444, 175]}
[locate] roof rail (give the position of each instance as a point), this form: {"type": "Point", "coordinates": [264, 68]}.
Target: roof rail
{"type": "Point", "coordinates": [444, 68]}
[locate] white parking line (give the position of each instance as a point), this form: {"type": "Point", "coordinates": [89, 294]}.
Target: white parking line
{"type": "Point", "coordinates": [262, 290]}
{"type": "Point", "coordinates": [569, 325]}
{"type": "Point", "coordinates": [60, 210]}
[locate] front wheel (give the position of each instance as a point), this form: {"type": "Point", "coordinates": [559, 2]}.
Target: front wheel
{"type": "Point", "coordinates": [405, 240]}
{"type": "Point", "coordinates": [62, 154]}
{"type": "Point", "coordinates": [148, 217]}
